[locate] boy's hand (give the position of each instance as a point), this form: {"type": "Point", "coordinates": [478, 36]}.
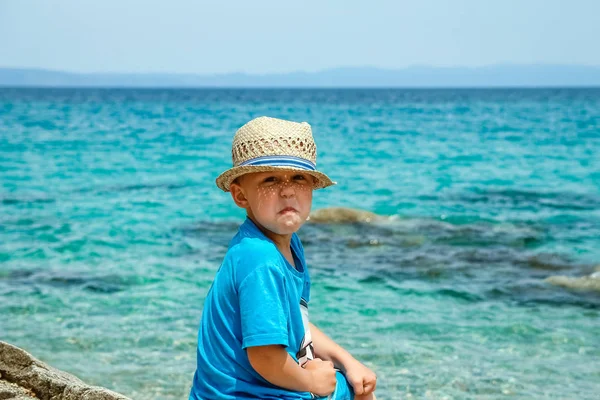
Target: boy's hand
{"type": "Point", "coordinates": [361, 378]}
{"type": "Point", "coordinates": [323, 376]}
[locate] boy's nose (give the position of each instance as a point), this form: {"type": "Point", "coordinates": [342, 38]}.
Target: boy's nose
{"type": "Point", "coordinates": [287, 190]}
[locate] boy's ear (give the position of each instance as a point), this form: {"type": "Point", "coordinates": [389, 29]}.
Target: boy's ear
{"type": "Point", "coordinates": [238, 195]}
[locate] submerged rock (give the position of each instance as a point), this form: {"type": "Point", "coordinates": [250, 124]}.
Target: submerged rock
{"type": "Point", "coordinates": [23, 377]}
{"type": "Point", "coordinates": [588, 283]}
{"type": "Point", "coordinates": [548, 262]}
{"type": "Point", "coordinates": [342, 215]}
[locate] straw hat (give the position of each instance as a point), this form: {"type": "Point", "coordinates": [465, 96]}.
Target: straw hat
{"type": "Point", "coordinates": [271, 144]}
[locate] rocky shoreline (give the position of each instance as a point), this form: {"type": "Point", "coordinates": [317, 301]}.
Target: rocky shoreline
{"type": "Point", "coordinates": [23, 377]}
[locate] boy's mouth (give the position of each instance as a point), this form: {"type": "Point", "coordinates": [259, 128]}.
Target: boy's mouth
{"type": "Point", "coordinates": [288, 209]}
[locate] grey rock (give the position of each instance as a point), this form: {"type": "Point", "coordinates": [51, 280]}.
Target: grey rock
{"type": "Point", "coordinates": [584, 283]}
{"type": "Point", "coordinates": [23, 375]}
{"type": "Point", "coordinates": [342, 215]}
{"type": "Point", "coordinates": [10, 391]}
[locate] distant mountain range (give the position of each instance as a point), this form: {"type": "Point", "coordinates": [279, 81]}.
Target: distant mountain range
{"type": "Point", "coordinates": [418, 76]}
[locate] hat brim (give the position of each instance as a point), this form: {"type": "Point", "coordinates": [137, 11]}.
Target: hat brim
{"type": "Point", "coordinates": [226, 178]}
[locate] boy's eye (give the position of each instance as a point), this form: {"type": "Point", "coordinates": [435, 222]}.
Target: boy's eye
{"type": "Point", "coordinates": [269, 179]}
{"type": "Point", "coordinates": [299, 177]}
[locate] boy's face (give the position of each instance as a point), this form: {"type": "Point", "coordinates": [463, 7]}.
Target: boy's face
{"type": "Point", "coordinates": [280, 201]}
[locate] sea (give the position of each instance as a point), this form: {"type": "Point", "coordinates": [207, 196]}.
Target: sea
{"type": "Point", "coordinates": [476, 281]}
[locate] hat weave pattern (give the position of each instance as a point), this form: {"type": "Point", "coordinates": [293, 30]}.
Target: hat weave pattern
{"type": "Point", "coordinates": [270, 144]}
{"type": "Point", "coordinates": [270, 136]}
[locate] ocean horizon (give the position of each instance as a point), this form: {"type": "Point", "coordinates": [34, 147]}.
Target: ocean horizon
{"type": "Point", "coordinates": [478, 279]}
{"type": "Point", "coordinates": [417, 76]}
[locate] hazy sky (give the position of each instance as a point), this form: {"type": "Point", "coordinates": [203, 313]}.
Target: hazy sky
{"type": "Point", "coordinates": [279, 36]}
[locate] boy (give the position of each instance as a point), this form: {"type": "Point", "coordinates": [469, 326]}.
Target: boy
{"type": "Point", "coordinates": [255, 341]}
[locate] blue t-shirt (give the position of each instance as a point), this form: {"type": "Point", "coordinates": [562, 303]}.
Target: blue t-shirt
{"type": "Point", "coordinates": [257, 298]}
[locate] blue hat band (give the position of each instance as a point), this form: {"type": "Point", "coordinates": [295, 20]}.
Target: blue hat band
{"type": "Point", "coordinates": [281, 161]}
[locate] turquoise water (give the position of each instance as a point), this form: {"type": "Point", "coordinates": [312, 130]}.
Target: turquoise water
{"type": "Point", "coordinates": [111, 231]}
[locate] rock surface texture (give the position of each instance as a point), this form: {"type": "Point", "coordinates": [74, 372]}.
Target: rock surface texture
{"type": "Point", "coordinates": [342, 215]}
{"type": "Point", "coordinates": [23, 377]}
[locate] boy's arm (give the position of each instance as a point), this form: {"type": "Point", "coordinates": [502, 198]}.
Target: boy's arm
{"type": "Point", "coordinates": [275, 365]}
{"type": "Point", "coordinates": [362, 379]}
{"type": "Point", "coordinates": [262, 296]}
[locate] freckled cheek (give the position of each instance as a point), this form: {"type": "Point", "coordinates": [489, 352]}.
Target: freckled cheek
{"type": "Point", "coordinates": [305, 196]}
{"type": "Point", "coordinates": [266, 193]}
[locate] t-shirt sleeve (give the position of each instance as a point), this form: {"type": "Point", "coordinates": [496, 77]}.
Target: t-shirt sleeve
{"type": "Point", "coordinates": [263, 296]}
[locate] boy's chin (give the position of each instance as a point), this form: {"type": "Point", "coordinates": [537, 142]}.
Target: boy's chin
{"type": "Point", "coordinates": [285, 230]}
{"type": "Point", "coordinates": [285, 227]}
